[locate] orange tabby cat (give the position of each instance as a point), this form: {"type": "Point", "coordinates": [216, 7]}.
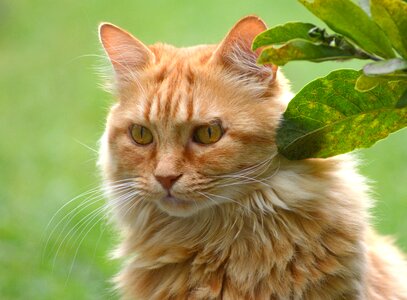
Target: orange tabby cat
{"type": "Point", "coordinates": [206, 206]}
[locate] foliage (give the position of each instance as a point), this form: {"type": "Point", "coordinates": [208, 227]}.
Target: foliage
{"type": "Point", "coordinates": [330, 117]}
{"type": "Point", "coordinates": [346, 109]}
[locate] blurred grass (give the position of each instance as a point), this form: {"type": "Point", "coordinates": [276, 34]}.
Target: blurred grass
{"type": "Point", "coordinates": [50, 103]}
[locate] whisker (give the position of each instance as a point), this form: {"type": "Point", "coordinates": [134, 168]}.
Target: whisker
{"type": "Point", "coordinates": [134, 204]}
{"type": "Point", "coordinates": [94, 195]}
{"type": "Point", "coordinates": [95, 189]}
{"type": "Point", "coordinates": [86, 146]}
{"type": "Point", "coordinates": [80, 224]}
{"type": "Point", "coordinates": [253, 169]}
{"type": "Point", "coordinates": [97, 196]}
{"type": "Point", "coordinates": [84, 224]}
{"type": "Point", "coordinates": [247, 179]}
{"type": "Point", "coordinates": [80, 243]}
{"type": "Point", "coordinates": [206, 194]}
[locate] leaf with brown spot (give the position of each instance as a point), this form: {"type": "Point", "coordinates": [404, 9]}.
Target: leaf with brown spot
{"type": "Point", "coordinates": [329, 117]}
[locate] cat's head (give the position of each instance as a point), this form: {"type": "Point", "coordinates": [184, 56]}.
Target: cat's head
{"type": "Point", "coordinates": [192, 127]}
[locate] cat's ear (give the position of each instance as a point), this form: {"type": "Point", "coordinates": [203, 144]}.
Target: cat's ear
{"type": "Point", "coordinates": [126, 53]}
{"type": "Point", "coordinates": [235, 51]}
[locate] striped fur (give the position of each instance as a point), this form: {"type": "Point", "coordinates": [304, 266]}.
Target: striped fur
{"type": "Point", "coordinates": [247, 223]}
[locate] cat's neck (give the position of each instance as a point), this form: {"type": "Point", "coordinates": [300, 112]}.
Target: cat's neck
{"type": "Point", "coordinates": [311, 213]}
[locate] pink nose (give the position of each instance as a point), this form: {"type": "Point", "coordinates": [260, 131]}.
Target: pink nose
{"type": "Point", "coordinates": [167, 181]}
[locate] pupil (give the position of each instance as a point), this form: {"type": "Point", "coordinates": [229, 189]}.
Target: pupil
{"type": "Point", "coordinates": [209, 132]}
{"type": "Point", "coordinates": [141, 132]}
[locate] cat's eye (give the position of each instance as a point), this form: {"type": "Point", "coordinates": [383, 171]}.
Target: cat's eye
{"type": "Point", "coordinates": [141, 135]}
{"type": "Point", "coordinates": [208, 134]}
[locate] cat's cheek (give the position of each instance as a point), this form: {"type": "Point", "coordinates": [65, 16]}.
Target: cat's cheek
{"type": "Point", "coordinates": [213, 159]}
{"type": "Point", "coordinates": [128, 162]}
{"type": "Point", "coordinates": [106, 162]}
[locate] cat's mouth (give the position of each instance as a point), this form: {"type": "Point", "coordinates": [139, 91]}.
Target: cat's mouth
{"type": "Point", "coordinates": [176, 206]}
{"type": "Point", "coordinates": [174, 201]}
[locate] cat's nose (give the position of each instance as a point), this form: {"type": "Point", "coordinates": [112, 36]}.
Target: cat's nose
{"type": "Point", "coordinates": [167, 181]}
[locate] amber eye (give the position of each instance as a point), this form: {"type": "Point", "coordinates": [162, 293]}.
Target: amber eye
{"type": "Point", "coordinates": [208, 134]}
{"type": "Point", "coordinates": [141, 135]}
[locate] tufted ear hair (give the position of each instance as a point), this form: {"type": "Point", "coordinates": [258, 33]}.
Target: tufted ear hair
{"type": "Point", "coordinates": [235, 50]}
{"type": "Point", "coordinates": [126, 53]}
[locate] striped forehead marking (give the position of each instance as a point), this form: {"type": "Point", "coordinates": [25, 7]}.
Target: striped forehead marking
{"type": "Point", "coordinates": [173, 98]}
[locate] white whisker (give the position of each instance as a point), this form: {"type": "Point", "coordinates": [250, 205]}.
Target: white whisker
{"type": "Point", "coordinates": [96, 197]}
{"type": "Point", "coordinates": [86, 146]}
{"type": "Point", "coordinates": [84, 225]}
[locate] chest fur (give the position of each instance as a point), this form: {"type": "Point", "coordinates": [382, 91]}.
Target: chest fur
{"type": "Point", "coordinates": [281, 256]}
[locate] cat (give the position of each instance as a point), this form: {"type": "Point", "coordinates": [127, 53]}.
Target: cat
{"type": "Point", "coordinates": [206, 206]}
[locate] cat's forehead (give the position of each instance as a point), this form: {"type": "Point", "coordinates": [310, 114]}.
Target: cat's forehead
{"type": "Point", "coordinates": [176, 68]}
{"type": "Point", "coordinates": [176, 85]}
{"type": "Point", "coordinates": [177, 100]}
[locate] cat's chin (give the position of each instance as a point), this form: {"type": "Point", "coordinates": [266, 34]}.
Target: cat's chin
{"type": "Point", "coordinates": [177, 207]}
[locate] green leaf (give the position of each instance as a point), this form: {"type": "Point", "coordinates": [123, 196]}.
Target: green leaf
{"type": "Point", "coordinates": [345, 17]}
{"type": "Point", "coordinates": [365, 83]}
{"type": "Point", "coordinates": [283, 33]}
{"type": "Point", "coordinates": [391, 15]}
{"type": "Point", "coordinates": [365, 5]}
{"type": "Point", "coordinates": [329, 117]}
{"type": "Point", "coordinates": [385, 67]}
{"type": "Point", "coordinates": [302, 50]}
{"type": "Point", "coordinates": [402, 101]}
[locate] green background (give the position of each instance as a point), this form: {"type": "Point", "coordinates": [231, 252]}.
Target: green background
{"type": "Point", "coordinates": [51, 105]}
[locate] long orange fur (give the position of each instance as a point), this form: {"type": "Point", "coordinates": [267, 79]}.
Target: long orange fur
{"type": "Point", "coordinates": [249, 224]}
